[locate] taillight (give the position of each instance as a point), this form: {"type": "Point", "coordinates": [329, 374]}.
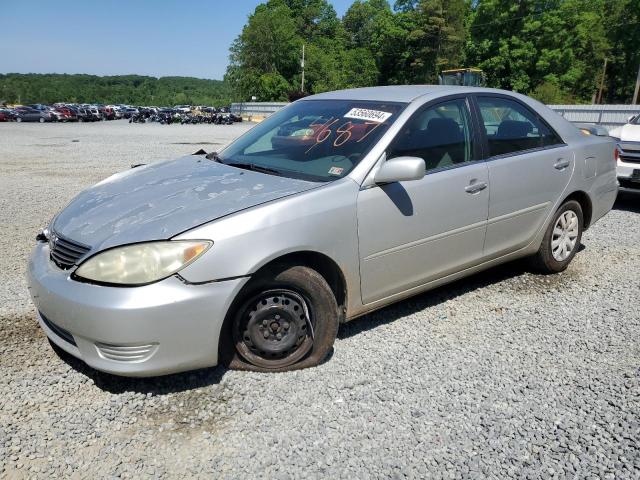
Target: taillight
{"type": "Point", "coordinates": [616, 153]}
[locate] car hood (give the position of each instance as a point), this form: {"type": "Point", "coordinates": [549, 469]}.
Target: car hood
{"type": "Point", "coordinates": [627, 133]}
{"type": "Point", "coordinates": [161, 200]}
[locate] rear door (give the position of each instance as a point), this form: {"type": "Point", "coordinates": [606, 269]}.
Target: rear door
{"type": "Point", "coordinates": [529, 168]}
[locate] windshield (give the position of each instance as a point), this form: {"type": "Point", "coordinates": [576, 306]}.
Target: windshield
{"type": "Point", "coordinates": [317, 140]}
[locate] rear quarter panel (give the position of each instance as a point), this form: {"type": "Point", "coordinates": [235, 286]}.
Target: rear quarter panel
{"type": "Point", "coordinates": [595, 173]}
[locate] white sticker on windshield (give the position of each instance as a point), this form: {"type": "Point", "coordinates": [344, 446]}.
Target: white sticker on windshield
{"type": "Point", "coordinates": [365, 114]}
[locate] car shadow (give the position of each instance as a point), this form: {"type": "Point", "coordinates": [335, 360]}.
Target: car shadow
{"type": "Point", "coordinates": [205, 377]}
{"type": "Point", "coordinates": [434, 297]}
{"type": "Point", "coordinates": [162, 385]}
{"type": "Point", "coordinates": [628, 202]}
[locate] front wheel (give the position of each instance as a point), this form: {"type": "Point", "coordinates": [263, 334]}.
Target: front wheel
{"type": "Point", "coordinates": [561, 240]}
{"type": "Point", "coordinates": [286, 319]}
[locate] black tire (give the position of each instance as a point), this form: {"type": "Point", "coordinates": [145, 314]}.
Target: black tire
{"type": "Point", "coordinates": [263, 334]}
{"type": "Point", "coordinates": [544, 261]}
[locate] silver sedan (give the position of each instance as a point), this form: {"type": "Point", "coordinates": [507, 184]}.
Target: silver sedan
{"type": "Point", "coordinates": [337, 205]}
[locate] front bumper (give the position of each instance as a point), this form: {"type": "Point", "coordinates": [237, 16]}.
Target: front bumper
{"type": "Point", "coordinates": [166, 327]}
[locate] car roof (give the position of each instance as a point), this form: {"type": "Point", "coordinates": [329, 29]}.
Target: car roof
{"type": "Point", "coordinates": [411, 93]}
{"type": "Point", "coordinates": [399, 93]}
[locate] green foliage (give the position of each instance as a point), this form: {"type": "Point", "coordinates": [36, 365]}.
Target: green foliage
{"type": "Point", "coordinates": [551, 94]}
{"type": "Point", "coordinates": [552, 49]}
{"type": "Point", "coordinates": [435, 39]}
{"type": "Point", "coordinates": [543, 45]}
{"type": "Point", "coordinates": [271, 42]}
{"type": "Point", "coordinates": [127, 89]}
{"type": "Point", "coordinates": [622, 24]}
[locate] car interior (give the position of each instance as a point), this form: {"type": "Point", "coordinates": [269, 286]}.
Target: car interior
{"type": "Point", "coordinates": [439, 136]}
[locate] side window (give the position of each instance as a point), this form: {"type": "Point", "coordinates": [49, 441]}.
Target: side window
{"type": "Point", "coordinates": [441, 135]}
{"type": "Point", "coordinates": [511, 127]}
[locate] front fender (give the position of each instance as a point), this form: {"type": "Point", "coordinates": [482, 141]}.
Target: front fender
{"type": "Point", "coordinates": [321, 220]}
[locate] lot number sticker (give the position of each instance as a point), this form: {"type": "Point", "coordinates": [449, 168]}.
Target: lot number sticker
{"type": "Point", "coordinates": [369, 115]}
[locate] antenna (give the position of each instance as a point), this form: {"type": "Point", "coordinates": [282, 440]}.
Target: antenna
{"type": "Point", "coordinates": [302, 65]}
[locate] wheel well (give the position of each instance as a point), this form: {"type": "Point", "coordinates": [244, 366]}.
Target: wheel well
{"type": "Point", "coordinates": [322, 264]}
{"type": "Point", "coordinates": [585, 202]}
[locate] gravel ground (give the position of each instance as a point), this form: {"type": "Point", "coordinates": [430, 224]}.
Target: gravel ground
{"type": "Point", "coordinates": [504, 374]}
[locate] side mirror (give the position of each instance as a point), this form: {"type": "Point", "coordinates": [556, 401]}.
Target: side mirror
{"type": "Point", "coordinates": [400, 169]}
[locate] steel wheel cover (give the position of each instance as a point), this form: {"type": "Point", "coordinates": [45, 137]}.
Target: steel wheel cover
{"type": "Point", "coordinates": [274, 329]}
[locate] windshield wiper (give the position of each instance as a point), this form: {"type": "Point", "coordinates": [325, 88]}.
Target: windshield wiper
{"type": "Point", "coordinates": [255, 168]}
{"type": "Point", "coordinates": [213, 156]}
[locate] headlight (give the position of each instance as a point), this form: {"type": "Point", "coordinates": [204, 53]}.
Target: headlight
{"type": "Point", "coordinates": [143, 262]}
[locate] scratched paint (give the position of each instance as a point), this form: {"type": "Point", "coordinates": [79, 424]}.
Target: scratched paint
{"type": "Point", "coordinates": [161, 200]}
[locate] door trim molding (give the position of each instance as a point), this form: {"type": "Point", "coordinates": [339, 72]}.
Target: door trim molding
{"type": "Point", "coordinates": [422, 241]}
{"type": "Point", "coordinates": [517, 213]}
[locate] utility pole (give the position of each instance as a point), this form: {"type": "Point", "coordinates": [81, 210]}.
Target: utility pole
{"type": "Point", "coordinates": [302, 65]}
{"type": "Point", "coordinates": [604, 71]}
{"type": "Point", "coordinates": [636, 94]}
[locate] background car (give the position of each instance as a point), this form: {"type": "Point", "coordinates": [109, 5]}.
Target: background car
{"type": "Point", "coordinates": [106, 112]}
{"type": "Point", "coordinates": [628, 154]}
{"type": "Point", "coordinates": [83, 114]}
{"type": "Point", "coordinates": [7, 115]}
{"type": "Point", "coordinates": [28, 114]}
{"type": "Point", "coordinates": [65, 114]}
{"type": "Point", "coordinates": [129, 112]}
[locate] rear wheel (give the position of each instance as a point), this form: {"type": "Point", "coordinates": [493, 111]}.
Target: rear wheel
{"type": "Point", "coordinates": [19, 119]}
{"type": "Point", "coordinates": [41, 120]}
{"type": "Point", "coordinates": [561, 240]}
{"type": "Point", "coordinates": [286, 319]}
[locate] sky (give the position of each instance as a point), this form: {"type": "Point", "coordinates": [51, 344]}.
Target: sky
{"type": "Point", "coordinates": [116, 37]}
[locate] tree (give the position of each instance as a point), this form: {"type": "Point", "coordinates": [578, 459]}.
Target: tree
{"type": "Point", "coordinates": [553, 49]}
{"type": "Point", "coordinates": [437, 37]}
{"type": "Point", "coordinates": [268, 45]}
{"type": "Point", "coordinates": [622, 22]}
{"type": "Point", "coordinates": [536, 45]}
{"type": "Point", "coordinates": [129, 89]}
{"type": "Point", "coordinates": [372, 26]}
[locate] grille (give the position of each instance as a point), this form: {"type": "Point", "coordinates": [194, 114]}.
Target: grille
{"type": "Point", "coordinates": [630, 152]}
{"type": "Point", "coordinates": [59, 331]}
{"type": "Point", "coordinates": [126, 353]}
{"type": "Point", "coordinates": [64, 252]}
{"type": "Point", "coordinates": [629, 159]}
{"type": "Point", "coordinates": [629, 184]}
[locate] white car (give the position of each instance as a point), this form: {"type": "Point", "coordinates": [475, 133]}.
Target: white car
{"type": "Point", "coordinates": [628, 154]}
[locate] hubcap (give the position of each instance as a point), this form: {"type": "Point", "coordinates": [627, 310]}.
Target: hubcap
{"type": "Point", "coordinates": [565, 235]}
{"type": "Point", "coordinates": [274, 329]}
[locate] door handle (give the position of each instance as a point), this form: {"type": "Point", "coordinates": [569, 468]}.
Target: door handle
{"type": "Point", "coordinates": [561, 164]}
{"type": "Point", "coordinates": [475, 187]}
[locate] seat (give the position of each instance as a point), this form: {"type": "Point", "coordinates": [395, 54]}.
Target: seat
{"type": "Point", "coordinates": [445, 143]}
{"type": "Point", "coordinates": [513, 136]}
{"type": "Point", "coordinates": [513, 129]}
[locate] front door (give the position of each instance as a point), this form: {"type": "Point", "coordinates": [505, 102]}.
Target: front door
{"type": "Point", "coordinates": [413, 232]}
